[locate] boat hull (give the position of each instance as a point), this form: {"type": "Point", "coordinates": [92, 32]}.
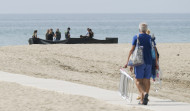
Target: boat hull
{"type": "Point", "coordinates": [74, 41]}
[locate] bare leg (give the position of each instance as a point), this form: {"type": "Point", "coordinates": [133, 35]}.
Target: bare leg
{"type": "Point", "coordinates": [139, 84]}
{"type": "Point", "coordinates": [138, 89]}
{"type": "Point", "coordinates": [136, 82]}
{"type": "Point", "coordinates": [146, 84]}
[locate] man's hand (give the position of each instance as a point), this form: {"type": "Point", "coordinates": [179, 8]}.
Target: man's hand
{"type": "Point", "coordinates": [125, 66]}
{"type": "Point", "coordinates": [131, 68]}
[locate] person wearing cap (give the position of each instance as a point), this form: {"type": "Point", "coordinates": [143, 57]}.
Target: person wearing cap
{"type": "Point", "coordinates": [67, 33]}
{"type": "Point", "coordinates": [142, 72]}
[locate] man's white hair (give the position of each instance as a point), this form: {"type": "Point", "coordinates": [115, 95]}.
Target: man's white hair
{"type": "Point", "coordinates": [143, 27]}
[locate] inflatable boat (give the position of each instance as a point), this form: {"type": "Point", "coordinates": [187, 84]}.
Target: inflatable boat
{"type": "Point", "coordinates": [74, 41]}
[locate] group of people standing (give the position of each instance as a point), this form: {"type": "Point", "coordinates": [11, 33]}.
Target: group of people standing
{"type": "Point", "coordinates": [50, 35]}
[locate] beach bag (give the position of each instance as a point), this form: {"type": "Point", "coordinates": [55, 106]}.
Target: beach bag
{"type": "Point", "coordinates": [137, 56]}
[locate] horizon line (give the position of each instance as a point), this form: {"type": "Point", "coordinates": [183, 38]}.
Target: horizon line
{"type": "Point", "coordinates": [93, 13]}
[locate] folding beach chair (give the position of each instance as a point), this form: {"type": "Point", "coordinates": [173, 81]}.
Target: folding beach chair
{"type": "Point", "coordinates": [126, 86]}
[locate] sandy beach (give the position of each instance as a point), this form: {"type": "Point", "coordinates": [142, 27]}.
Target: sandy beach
{"type": "Point", "coordinates": [15, 97]}
{"type": "Point", "coordinates": [98, 65]}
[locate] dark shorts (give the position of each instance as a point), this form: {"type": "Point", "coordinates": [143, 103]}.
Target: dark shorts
{"type": "Point", "coordinates": [143, 71]}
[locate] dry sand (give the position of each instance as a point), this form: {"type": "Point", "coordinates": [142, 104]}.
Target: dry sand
{"type": "Point", "coordinates": [98, 65]}
{"type": "Point", "coordinates": [14, 97]}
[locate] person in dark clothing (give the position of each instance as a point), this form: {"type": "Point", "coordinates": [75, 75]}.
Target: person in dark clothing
{"type": "Point", "coordinates": [52, 32]}
{"type": "Point", "coordinates": [47, 33]}
{"type": "Point", "coordinates": [50, 35]}
{"type": "Point", "coordinates": [58, 34]}
{"type": "Point", "coordinates": [91, 34]}
{"type": "Point", "coordinates": [35, 34]}
{"type": "Point", "coordinates": [67, 34]}
{"type": "Point", "coordinates": [35, 37]}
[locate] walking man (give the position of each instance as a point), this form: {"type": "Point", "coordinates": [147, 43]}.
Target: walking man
{"type": "Point", "coordinates": [142, 72]}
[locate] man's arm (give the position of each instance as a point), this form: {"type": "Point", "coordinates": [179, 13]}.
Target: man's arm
{"type": "Point", "coordinates": [130, 52]}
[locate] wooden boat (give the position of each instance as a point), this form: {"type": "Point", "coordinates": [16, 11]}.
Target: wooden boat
{"type": "Point", "coordinates": [74, 41]}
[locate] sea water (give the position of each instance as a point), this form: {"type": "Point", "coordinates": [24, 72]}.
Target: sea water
{"type": "Point", "coordinates": [16, 29]}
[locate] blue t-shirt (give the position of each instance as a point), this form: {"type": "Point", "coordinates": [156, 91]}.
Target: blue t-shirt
{"type": "Point", "coordinates": [145, 41]}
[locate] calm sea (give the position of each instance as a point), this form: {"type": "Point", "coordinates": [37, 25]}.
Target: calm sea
{"type": "Point", "coordinates": [16, 29]}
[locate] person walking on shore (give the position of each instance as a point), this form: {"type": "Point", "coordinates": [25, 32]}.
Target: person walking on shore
{"type": "Point", "coordinates": [154, 57]}
{"type": "Point", "coordinates": [142, 72]}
